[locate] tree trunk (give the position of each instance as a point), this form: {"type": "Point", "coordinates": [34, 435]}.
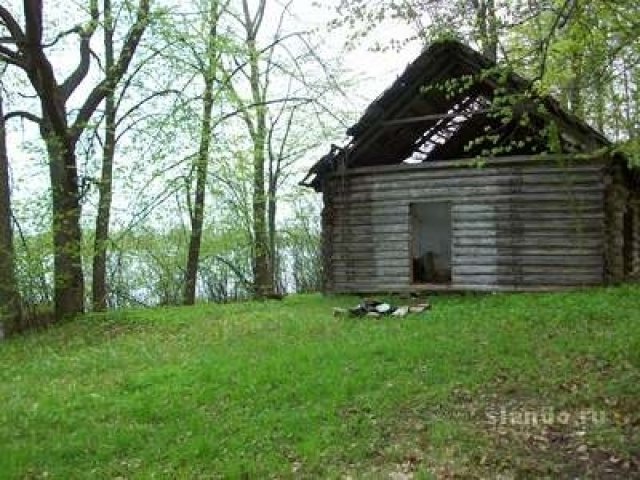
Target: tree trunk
{"type": "Point", "coordinates": [262, 273]}
{"type": "Point", "coordinates": [67, 234]}
{"type": "Point", "coordinates": [197, 213]}
{"type": "Point", "coordinates": [10, 305]}
{"type": "Point", "coordinates": [271, 216]}
{"type": "Point", "coordinates": [202, 160]}
{"type": "Point", "coordinates": [263, 277]}
{"type": "Point", "coordinates": [99, 292]}
{"type": "Point", "coordinates": [105, 190]}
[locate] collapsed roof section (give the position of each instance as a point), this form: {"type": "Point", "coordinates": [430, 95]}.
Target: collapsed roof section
{"type": "Point", "coordinates": [452, 103]}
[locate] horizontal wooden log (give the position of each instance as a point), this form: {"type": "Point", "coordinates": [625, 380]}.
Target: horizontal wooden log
{"type": "Point", "coordinates": [529, 241]}
{"type": "Point", "coordinates": [394, 216]}
{"type": "Point", "coordinates": [353, 254]}
{"type": "Point", "coordinates": [518, 236]}
{"type": "Point", "coordinates": [370, 239]}
{"type": "Point", "coordinates": [372, 266]}
{"type": "Point", "coordinates": [347, 217]}
{"type": "Point", "coordinates": [397, 268]}
{"type": "Point", "coordinates": [532, 260]}
{"type": "Point", "coordinates": [481, 278]}
{"type": "Point", "coordinates": [515, 202]}
{"type": "Point", "coordinates": [404, 262]}
{"type": "Point", "coordinates": [530, 279]}
{"type": "Point", "coordinates": [403, 273]}
{"type": "Point", "coordinates": [513, 238]}
{"type": "Point", "coordinates": [398, 173]}
{"type": "Point", "coordinates": [480, 186]}
{"type": "Point", "coordinates": [397, 253]}
{"type": "Point", "coordinates": [528, 208]}
{"type": "Point", "coordinates": [399, 227]}
{"type": "Point", "coordinates": [351, 220]}
{"type": "Point", "coordinates": [377, 279]}
{"type": "Point", "coordinates": [400, 199]}
{"type": "Point", "coordinates": [406, 288]}
{"type": "Point", "coordinates": [562, 193]}
{"type": "Point", "coordinates": [364, 286]}
{"type": "Point", "coordinates": [570, 225]}
{"type": "Point", "coordinates": [486, 208]}
{"type": "Point", "coordinates": [484, 251]}
{"type": "Point", "coordinates": [344, 255]}
{"type": "Point", "coordinates": [349, 245]}
{"type": "Point", "coordinates": [516, 269]}
{"type": "Point", "coordinates": [570, 218]}
{"type": "Point", "coordinates": [372, 208]}
{"type": "Point", "coordinates": [339, 181]}
{"type": "Point", "coordinates": [470, 163]}
{"type": "Point", "coordinates": [551, 180]}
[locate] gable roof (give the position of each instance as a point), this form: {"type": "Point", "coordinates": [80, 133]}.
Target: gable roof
{"type": "Point", "coordinates": [416, 118]}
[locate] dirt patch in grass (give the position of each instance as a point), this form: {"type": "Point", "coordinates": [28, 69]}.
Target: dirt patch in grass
{"type": "Point", "coordinates": [573, 430]}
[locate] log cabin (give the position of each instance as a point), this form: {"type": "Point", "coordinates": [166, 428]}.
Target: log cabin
{"type": "Point", "coordinates": [460, 177]}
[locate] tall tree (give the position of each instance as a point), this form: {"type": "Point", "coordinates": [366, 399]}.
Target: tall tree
{"type": "Point", "coordinates": [105, 190]}
{"type": "Point", "coordinates": [276, 81]}
{"type": "Point", "coordinates": [10, 309]}
{"type": "Point", "coordinates": [60, 131]}
{"type": "Point", "coordinates": [208, 68]}
{"type": "Point", "coordinates": [263, 276]}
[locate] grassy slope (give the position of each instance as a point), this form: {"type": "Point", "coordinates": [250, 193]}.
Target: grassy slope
{"type": "Point", "coordinates": [285, 389]}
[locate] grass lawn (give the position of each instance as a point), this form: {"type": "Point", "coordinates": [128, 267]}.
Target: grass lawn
{"type": "Point", "coordinates": [525, 385]}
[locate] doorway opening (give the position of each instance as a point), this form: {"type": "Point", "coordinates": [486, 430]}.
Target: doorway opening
{"type": "Point", "coordinates": [431, 242]}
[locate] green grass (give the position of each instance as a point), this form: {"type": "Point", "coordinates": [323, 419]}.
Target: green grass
{"type": "Point", "coordinates": [283, 389]}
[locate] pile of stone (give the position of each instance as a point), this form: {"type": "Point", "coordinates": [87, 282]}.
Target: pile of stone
{"type": "Point", "coordinates": [374, 308]}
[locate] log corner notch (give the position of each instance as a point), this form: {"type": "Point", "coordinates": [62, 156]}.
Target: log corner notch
{"type": "Point", "coordinates": [328, 219]}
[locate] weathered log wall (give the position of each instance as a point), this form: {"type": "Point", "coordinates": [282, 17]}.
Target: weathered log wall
{"type": "Point", "coordinates": [518, 224]}
{"type": "Point", "coordinates": [634, 205]}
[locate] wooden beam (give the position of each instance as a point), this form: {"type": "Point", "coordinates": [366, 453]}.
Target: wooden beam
{"type": "Point", "coordinates": [435, 116]}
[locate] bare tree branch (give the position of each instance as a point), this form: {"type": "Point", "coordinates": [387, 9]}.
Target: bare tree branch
{"type": "Point", "coordinates": [140, 104]}
{"type": "Point", "coordinates": [77, 29]}
{"type": "Point", "coordinates": [11, 57]}
{"type": "Point", "coordinates": [133, 37]}
{"type": "Point", "coordinates": [22, 114]}
{"type": "Point", "coordinates": [12, 25]}
{"type": "Point", "coordinates": [40, 70]}
{"type": "Point", "coordinates": [81, 71]}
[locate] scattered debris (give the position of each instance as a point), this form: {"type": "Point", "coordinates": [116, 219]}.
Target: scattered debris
{"type": "Point", "coordinates": [373, 308]}
{"type": "Point", "coordinates": [383, 308]}
{"type": "Point", "coordinates": [421, 307]}
{"type": "Point", "coordinates": [401, 312]}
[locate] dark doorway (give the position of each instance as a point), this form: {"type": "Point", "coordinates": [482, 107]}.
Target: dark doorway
{"type": "Point", "coordinates": [431, 242]}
